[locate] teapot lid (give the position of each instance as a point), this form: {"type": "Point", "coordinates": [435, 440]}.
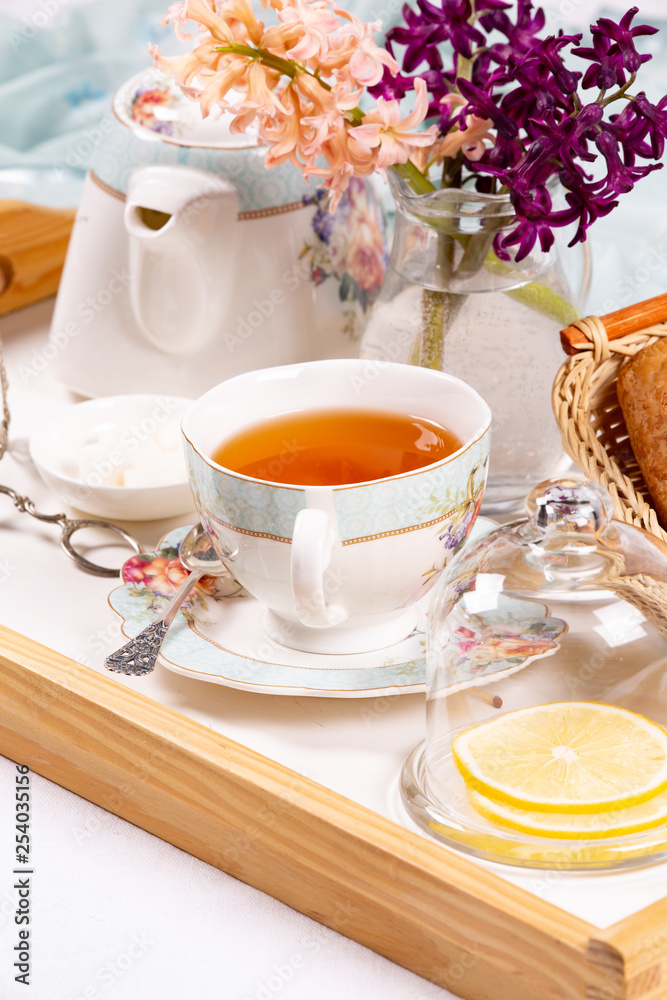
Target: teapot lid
{"type": "Point", "coordinates": [155, 123]}
{"type": "Point", "coordinates": [153, 105]}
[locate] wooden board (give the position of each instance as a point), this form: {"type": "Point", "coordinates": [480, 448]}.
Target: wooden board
{"type": "Point", "coordinates": [33, 244]}
{"type": "Point", "coordinates": [429, 909]}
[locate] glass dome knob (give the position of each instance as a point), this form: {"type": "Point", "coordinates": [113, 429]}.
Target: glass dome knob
{"type": "Point", "coordinates": [573, 504]}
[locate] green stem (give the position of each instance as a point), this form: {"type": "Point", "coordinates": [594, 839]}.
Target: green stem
{"type": "Point", "coordinates": [415, 178]}
{"type": "Point", "coordinates": [475, 254]}
{"type": "Point", "coordinates": [463, 64]}
{"type": "Point", "coordinates": [439, 310]}
{"type": "Point", "coordinates": [430, 348]}
{"type": "Point", "coordinates": [288, 67]}
{"type": "Point", "coordinates": [464, 68]}
{"type": "Point", "coordinates": [622, 92]}
{"type": "Point", "coordinates": [452, 167]}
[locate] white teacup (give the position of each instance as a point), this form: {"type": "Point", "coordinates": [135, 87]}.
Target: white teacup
{"type": "Point", "coordinates": [339, 568]}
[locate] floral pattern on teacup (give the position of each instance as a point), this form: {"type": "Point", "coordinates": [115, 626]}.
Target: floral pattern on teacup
{"type": "Point", "coordinates": [464, 517]}
{"type": "Point", "coordinates": [350, 247]}
{"type": "Point", "coordinates": [388, 506]}
{"type": "Point", "coordinates": [460, 517]}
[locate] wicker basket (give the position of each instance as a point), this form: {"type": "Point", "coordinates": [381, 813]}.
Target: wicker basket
{"type": "Point", "coordinates": [587, 410]}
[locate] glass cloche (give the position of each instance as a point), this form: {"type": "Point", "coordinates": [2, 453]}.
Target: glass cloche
{"type": "Point", "coordinates": [546, 736]}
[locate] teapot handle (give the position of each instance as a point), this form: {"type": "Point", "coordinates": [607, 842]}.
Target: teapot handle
{"type": "Point", "coordinates": [182, 228]}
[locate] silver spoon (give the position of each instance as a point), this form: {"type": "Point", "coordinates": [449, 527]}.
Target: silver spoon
{"type": "Point", "coordinates": [139, 655]}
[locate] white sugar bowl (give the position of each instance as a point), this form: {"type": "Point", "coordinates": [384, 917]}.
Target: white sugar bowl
{"type": "Point", "coordinates": [117, 457]}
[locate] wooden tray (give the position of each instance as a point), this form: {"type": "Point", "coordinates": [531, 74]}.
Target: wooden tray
{"type": "Point", "coordinates": [437, 913]}
{"type": "Point", "coordinates": [33, 244]}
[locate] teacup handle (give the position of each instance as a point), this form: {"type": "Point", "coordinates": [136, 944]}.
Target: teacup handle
{"type": "Point", "coordinates": [312, 545]}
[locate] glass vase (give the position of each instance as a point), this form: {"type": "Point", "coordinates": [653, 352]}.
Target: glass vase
{"type": "Point", "coordinates": [448, 302]}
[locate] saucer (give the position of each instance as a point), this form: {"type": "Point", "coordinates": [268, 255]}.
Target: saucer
{"type": "Point", "coordinates": [218, 636]}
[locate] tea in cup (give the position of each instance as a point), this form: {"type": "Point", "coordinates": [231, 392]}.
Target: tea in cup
{"type": "Point", "coordinates": [336, 491]}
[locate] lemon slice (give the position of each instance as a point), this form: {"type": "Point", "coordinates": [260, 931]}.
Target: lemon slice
{"type": "Point", "coordinates": [574, 757]}
{"type": "Point", "coordinates": [571, 826]}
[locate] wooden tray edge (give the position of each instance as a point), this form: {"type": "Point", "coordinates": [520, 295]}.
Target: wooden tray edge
{"type": "Point", "coordinates": [433, 911]}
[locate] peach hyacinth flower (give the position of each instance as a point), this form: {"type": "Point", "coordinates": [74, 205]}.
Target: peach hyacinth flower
{"type": "Point", "coordinates": [385, 129]}
{"type": "Point", "coordinates": [368, 59]}
{"type": "Point", "coordinates": [341, 98]}
{"type": "Point", "coordinates": [242, 12]}
{"type": "Point", "coordinates": [471, 140]}
{"type": "Point", "coordinates": [177, 13]}
{"type": "Point", "coordinates": [285, 133]}
{"type": "Point", "coordinates": [314, 23]}
{"type": "Point", "coordinates": [202, 12]}
{"type": "Point", "coordinates": [300, 82]}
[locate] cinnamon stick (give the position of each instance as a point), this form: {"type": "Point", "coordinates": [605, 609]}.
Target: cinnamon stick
{"type": "Point", "coordinates": [489, 699]}
{"type": "Point", "coordinates": [619, 323]}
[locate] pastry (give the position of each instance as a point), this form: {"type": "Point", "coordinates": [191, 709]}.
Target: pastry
{"type": "Point", "coordinates": [642, 395]}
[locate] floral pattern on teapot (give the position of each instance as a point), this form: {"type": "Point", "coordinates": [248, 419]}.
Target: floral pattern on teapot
{"type": "Point", "coordinates": [350, 248]}
{"type": "Point", "coordinates": [146, 99]}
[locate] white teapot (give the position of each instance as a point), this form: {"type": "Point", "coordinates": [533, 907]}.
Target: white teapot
{"type": "Point", "coordinates": [191, 262]}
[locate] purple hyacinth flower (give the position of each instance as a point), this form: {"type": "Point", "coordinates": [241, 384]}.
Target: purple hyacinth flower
{"type": "Point", "coordinates": [631, 128]}
{"type": "Point", "coordinates": [566, 141]}
{"type": "Point", "coordinates": [548, 52]}
{"type": "Point", "coordinates": [535, 93]}
{"type": "Point", "coordinates": [655, 118]}
{"type": "Point", "coordinates": [524, 236]}
{"type": "Point", "coordinates": [453, 20]}
{"type": "Point", "coordinates": [392, 87]}
{"type": "Point", "coordinates": [623, 35]}
{"type": "Point", "coordinates": [420, 38]}
{"type": "Point", "coordinates": [607, 66]}
{"type": "Point", "coordinates": [587, 203]}
{"type": "Point", "coordinates": [521, 82]}
{"type": "Point", "coordinates": [482, 105]}
{"type": "Point", "coordinates": [521, 34]}
{"type": "Point", "coordinates": [619, 177]}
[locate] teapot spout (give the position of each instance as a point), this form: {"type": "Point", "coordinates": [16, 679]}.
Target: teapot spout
{"type": "Point", "coordinates": [182, 228]}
